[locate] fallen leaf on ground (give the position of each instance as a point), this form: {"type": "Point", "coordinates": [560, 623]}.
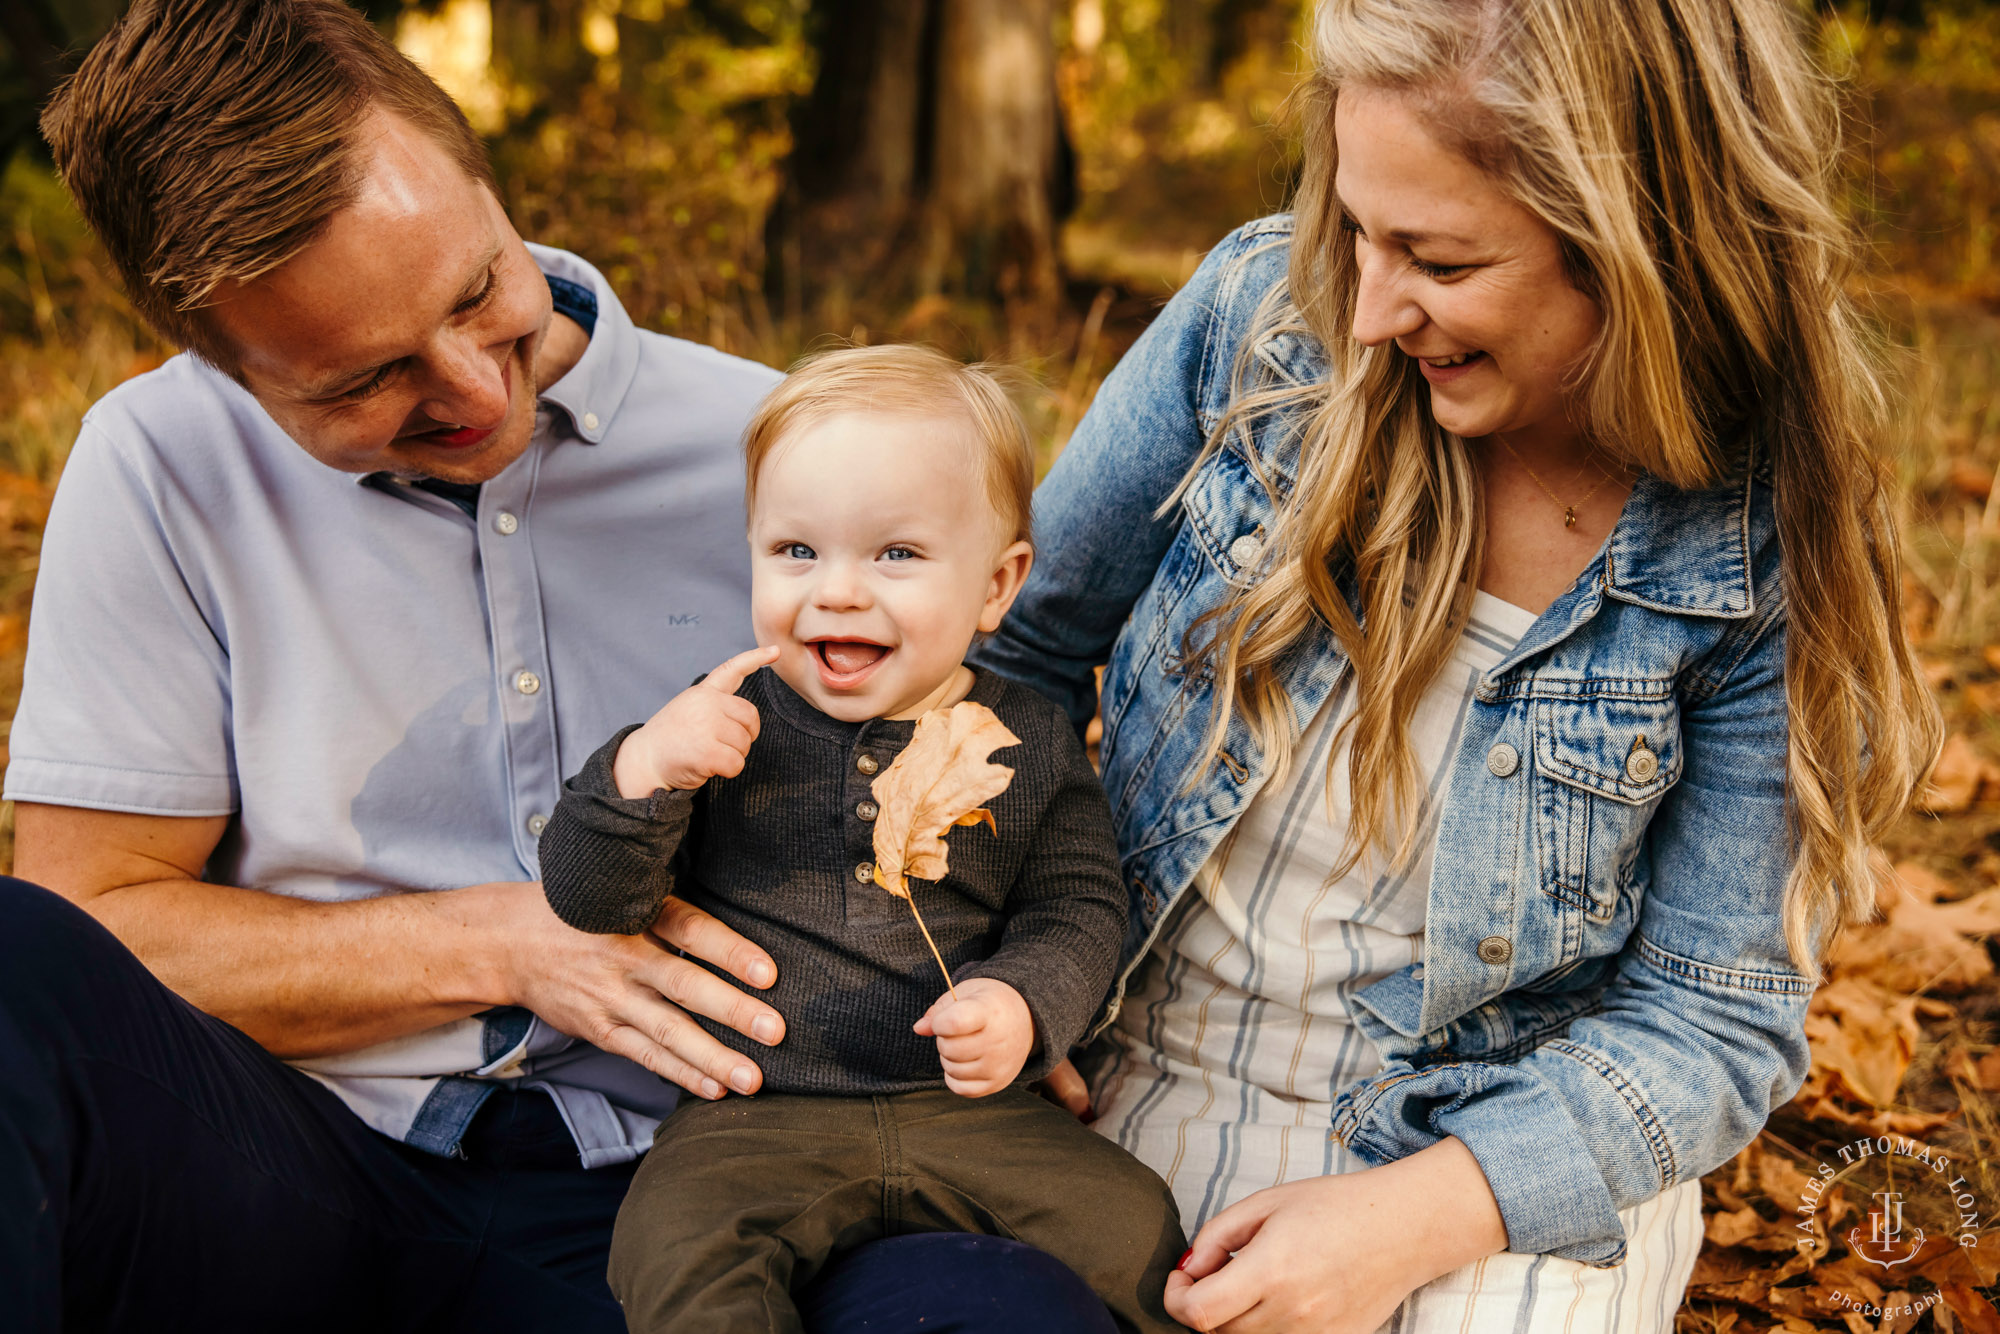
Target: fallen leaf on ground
{"type": "Point", "coordinates": [1982, 1073]}
{"type": "Point", "coordinates": [1971, 480]}
{"type": "Point", "coordinates": [1955, 782]}
{"type": "Point", "coordinates": [1973, 1310]}
{"type": "Point", "coordinates": [1865, 1035]}
{"type": "Point", "coordinates": [1924, 946]}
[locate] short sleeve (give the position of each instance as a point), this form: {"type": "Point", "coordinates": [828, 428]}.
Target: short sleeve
{"type": "Point", "coordinates": [125, 700]}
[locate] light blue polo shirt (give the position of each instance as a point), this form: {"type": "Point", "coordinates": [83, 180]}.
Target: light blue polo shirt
{"type": "Point", "coordinates": [382, 690]}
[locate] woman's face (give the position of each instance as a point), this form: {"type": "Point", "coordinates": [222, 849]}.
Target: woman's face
{"type": "Point", "coordinates": [1458, 276]}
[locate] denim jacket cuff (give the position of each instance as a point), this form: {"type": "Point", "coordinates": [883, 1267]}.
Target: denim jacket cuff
{"type": "Point", "coordinates": [1552, 1196]}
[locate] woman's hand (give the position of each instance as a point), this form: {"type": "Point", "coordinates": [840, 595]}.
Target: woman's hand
{"type": "Point", "coordinates": [1064, 1087]}
{"type": "Point", "coordinates": [1337, 1254]}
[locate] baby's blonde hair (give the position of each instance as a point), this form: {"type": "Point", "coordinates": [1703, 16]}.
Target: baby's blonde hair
{"type": "Point", "coordinates": [904, 380]}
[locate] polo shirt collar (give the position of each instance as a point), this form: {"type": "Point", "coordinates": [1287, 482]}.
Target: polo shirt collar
{"type": "Point", "coordinates": [595, 388]}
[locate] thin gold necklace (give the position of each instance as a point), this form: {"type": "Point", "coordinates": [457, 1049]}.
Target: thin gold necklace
{"type": "Point", "coordinates": [1569, 510]}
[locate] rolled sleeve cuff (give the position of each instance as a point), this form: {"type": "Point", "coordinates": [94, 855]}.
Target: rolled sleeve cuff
{"type": "Point", "coordinates": [1552, 1197]}
{"type": "Point", "coordinates": [103, 788]}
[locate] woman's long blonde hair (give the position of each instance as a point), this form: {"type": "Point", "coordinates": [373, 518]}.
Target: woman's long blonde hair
{"type": "Point", "coordinates": [1683, 151]}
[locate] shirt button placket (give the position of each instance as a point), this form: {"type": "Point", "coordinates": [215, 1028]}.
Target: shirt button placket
{"type": "Point", "coordinates": [513, 593]}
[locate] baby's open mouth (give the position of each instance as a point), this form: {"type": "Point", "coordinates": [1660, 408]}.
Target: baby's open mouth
{"type": "Point", "coordinates": [845, 657]}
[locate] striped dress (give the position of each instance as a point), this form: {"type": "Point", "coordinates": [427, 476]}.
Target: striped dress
{"type": "Point", "coordinates": [1235, 1037]}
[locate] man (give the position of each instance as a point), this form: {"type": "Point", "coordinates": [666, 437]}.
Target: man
{"type": "Point", "coordinates": [325, 615]}
{"type": "Point", "coordinates": [326, 611]}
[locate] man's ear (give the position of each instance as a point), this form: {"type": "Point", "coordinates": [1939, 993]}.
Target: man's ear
{"type": "Point", "coordinates": [1008, 576]}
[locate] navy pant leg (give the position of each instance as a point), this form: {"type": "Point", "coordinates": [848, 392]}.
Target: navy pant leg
{"type": "Point", "coordinates": [951, 1283]}
{"type": "Point", "coordinates": [160, 1171]}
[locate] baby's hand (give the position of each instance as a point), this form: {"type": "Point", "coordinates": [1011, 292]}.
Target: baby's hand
{"type": "Point", "coordinates": [704, 732]}
{"type": "Point", "coordinates": [984, 1037]}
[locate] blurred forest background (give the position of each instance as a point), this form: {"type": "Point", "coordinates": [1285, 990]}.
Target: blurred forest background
{"type": "Point", "coordinates": [1027, 180]}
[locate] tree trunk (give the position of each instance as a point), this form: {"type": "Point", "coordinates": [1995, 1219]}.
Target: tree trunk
{"type": "Point", "coordinates": [929, 159]}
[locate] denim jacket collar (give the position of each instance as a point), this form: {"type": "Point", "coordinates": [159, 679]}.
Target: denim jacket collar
{"type": "Point", "coordinates": [1684, 551]}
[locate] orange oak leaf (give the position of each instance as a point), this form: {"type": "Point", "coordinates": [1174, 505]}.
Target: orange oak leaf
{"type": "Point", "coordinates": [942, 778]}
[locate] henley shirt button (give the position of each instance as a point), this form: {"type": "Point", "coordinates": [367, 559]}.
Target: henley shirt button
{"type": "Point", "coordinates": [1503, 760]}
{"type": "Point", "coordinates": [1495, 950]}
{"type": "Point", "coordinates": [865, 872]}
{"type": "Point", "coordinates": [866, 763]}
{"type": "Point", "coordinates": [867, 810]}
{"type": "Point", "coordinates": [537, 823]}
{"type": "Point", "coordinates": [527, 683]}
{"type": "Point", "coordinates": [589, 421]}
{"type": "Point", "coordinates": [505, 523]}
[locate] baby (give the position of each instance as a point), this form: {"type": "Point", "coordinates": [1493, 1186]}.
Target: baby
{"type": "Point", "coordinates": [889, 492]}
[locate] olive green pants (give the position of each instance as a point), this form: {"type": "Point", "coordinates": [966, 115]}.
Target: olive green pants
{"type": "Point", "coordinates": [742, 1200]}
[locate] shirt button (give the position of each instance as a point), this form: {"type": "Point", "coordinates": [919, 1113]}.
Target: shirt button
{"type": "Point", "coordinates": [1245, 550]}
{"type": "Point", "coordinates": [865, 872]}
{"type": "Point", "coordinates": [589, 421]}
{"type": "Point", "coordinates": [505, 523]}
{"type": "Point", "coordinates": [1503, 760]}
{"type": "Point", "coordinates": [1495, 950]}
{"type": "Point", "coordinates": [867, 810]}
{"type": "Point", "coordinates": [527, 683]}
{"type": "Point", "coordinates": [537, 823]}
{"type": "Point", "coordinates": [1642, 764]}
{"type": "Point", "coordinates": [867, 764]}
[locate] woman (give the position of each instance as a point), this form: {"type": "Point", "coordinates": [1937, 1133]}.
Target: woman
{"type": "Point", "coordinates": [1504, 675]}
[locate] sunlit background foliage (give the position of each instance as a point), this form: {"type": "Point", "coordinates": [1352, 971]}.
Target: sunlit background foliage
{"type": "Point", "coordinates": [657, 139]}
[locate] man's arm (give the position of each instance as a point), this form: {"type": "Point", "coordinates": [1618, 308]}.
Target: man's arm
{"type": "Point", "coordinates": [307, 979]}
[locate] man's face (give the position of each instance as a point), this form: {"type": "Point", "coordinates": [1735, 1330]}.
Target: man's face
{"type": "Point", "coordinates": [405, 338]}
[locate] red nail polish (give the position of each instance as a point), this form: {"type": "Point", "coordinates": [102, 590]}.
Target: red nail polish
{"type": "Point", "coordinates": [1184, 1258]}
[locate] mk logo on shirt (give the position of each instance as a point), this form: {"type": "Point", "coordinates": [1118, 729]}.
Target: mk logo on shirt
{"type": "Point", "coordinates": [683, 620]}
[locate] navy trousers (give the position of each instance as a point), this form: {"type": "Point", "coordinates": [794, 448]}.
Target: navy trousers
{"type": "Point", "coordinates": [160, 1171]}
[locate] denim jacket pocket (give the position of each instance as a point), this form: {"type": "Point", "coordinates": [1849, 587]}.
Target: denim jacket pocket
{"type": "Point", "coordinates": [1604, 762]}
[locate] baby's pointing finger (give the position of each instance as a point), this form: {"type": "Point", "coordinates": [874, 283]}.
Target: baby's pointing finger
{"type": "Point", "coordinates": [733, 673]}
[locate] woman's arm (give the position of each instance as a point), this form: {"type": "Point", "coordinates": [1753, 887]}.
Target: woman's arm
{"type": "Point", "coordinates": [1698, 1035]}
{"type": "Point", "coordinates": [1097, 541]}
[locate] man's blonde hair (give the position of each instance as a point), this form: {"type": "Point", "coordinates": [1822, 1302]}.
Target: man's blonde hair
{"type": "Point", "coordinates": [207, 142]}
{"type": "Point", "coordinates": [905, 380]}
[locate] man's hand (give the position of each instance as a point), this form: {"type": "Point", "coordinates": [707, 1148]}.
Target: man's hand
{"type": "Point", "coordinates": [984, 1037]}
{"type": "Point", "coordinates": [631, 995]}
{"type": "Point", "coordinates": [704, 732]}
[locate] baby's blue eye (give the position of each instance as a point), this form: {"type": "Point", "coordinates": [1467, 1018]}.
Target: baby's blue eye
{"type": "Point", "coordinates": [797, 551]}
{"type": "Point", "coordinates": [899, 553]}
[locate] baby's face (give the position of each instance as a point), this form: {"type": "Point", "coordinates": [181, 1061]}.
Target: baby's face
{"type": "Point", "coordinates": [875, 555]}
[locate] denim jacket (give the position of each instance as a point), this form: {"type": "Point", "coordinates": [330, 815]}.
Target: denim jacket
{"type": "Point", "coordinates": [1605, 1007]}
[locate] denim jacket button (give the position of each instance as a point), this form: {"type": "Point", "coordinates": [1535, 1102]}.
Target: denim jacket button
{"type": "Point", "coordinates": [1495, 950]}
{"type": "Point", "coordinates": [1245, 550]}
{"type": "Point", "coordinates": [1642, 764]}
{"type": "Point", "coordinates": [1503, 760]}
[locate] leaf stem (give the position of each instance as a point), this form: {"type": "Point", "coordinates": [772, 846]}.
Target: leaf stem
{"type": "Point", "coordinates": [911, 899]}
